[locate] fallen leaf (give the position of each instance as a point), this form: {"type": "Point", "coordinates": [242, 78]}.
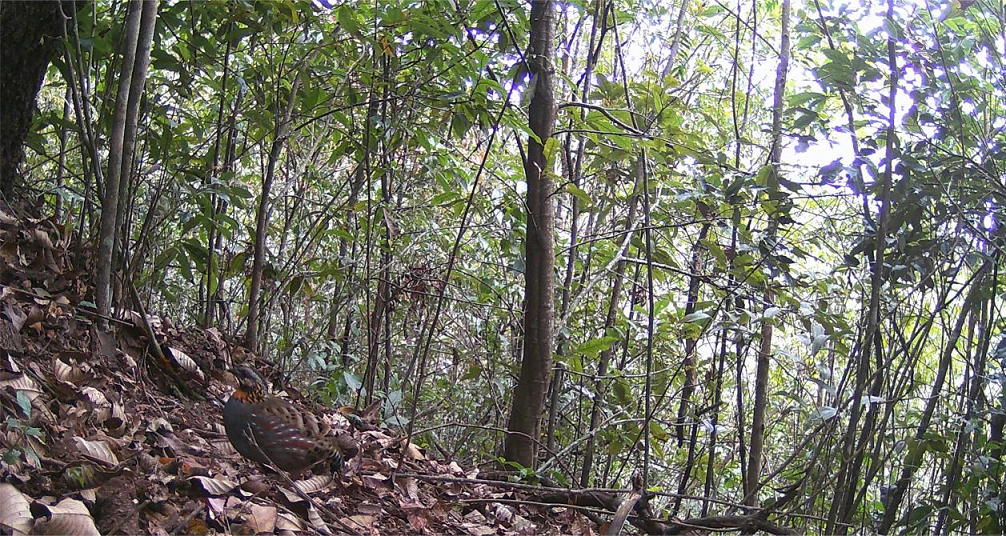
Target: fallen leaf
{"type": "Point", "coordinates": [69, 516]}
{"type": "Point", "coordinates": [215, 486]}
{"type": "Point", "coordinates": [15, 515]}
{"type": "Point", "coordinates": [261, 519]}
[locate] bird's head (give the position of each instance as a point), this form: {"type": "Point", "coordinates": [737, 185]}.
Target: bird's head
{"type": "Point", "coordinates": [251, 386]}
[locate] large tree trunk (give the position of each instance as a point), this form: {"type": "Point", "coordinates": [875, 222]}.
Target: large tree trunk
{"type": "Point", "coordinates": [30, 35]}
{"type": "Point", "coordinates": [536, 365]}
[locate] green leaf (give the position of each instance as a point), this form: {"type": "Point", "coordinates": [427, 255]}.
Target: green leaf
{"type": "Point", "coordinates": [698, 316]}
{"type": "Point", "coordinates": [24, 403]}
{"type": "Point", "coordinates": [594, 347]}
{"type": "Point", "coordinates": [577, 192]}
{"type": "Point", "coordinates": [917, 514]}
{"type": "Point", "coordinates": [658, 432]}
{"type": "Point", "coordinates": [347, 19]}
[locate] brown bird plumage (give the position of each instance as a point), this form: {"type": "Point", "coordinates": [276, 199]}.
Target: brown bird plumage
{"type": "Point", "coordinates": [271, 430]}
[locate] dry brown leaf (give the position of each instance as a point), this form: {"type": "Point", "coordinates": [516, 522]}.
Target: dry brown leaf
{"type": "Point", "coordinates": [17, 317]}
{"type": "Point", "coordinates": [291, 496]}
{"type": "Point", "coordinates": [223, 446]}
{"type": "Point", "coordinates": [408, 486]}
{"type": "Point", "coordinates": [359, 522]}
{"type": "Point", "coordinates": [186, 362]}
{"type": "Point", "coordinates": [67, 372]}
{"type": "Point", "coordinates": [95, 397]}
{"type": "Point", "coordinates": [218, 505]}
{"type": "Point", "coordinates": [215, 486]}
{"type": "Point", "coordinates": [413, 452]}
{"type": "Point", "coordinates": [8, 362]}
{"type": "Point", "coordinates": [314, 484]}
{"type": "Point", "coordinates": [15, 515]}
{"type": "Point", "coordinates": [23, 384]}
{"type": "Point", "coordinates": [418, 520]}
{"type": "Point", "coordinates": [42, 296]}
{"type": "Point", "coordinates": [478, 530]}
{"type": "Point", "coordinates": [116, 422]}
{"type": "Point", "coordinates": [97, 450]}
{"type": "Point", "coordinates": [378, 483]}
{"type": "Point", "coordinates": [369, 509]}
{"type": "Point", "coordinates": [69, 516]}
{"type": "Point", "coordinates": [375, 436]}
{"type": "Point", "coordinates": [159, 423]}
{"type": "Point", "coordinates": [261, 519]}
{"type": "Point", "coordinates": [316, 521]}
{"type": "Point", "coordinates": [256, 485]}
{"type": "Point", "coordinates": [502, 512]}
{"type": "Point", "coordinates": [42, 239]}
{"type": "Point", "coordinates": [288, 523]}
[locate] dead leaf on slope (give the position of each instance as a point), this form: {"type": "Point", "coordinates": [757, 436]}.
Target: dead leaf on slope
{"type": "Point", "coordinates": [69, 516]}
{"type": "Point", "coordinates": [214, 486]}
{"type": "Point", "coordinates": [183, 360]}
{"type": "Point", "coordinates": [99, 451]}
{"type": "Point", "coordinates": [15, 515]}
{"type": "Point", "coordinates": [287, 524]}
{"type": "Point", "coordinates": [261, 519]}
{"type": "Point", "coordinates": [65, 368]}
{"type": "Point", "coordinates": [316, 521]}
{"type": "Point", "coordinates": [22, 384]}
{"type": "Point", "coordinates": [362, 523]}
{"type": "Point", "coordinates": [314, 484]}
{"type": "Point", "coordinates": [16, 315]}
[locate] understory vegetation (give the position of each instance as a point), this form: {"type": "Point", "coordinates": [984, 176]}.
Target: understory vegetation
{"type": "Point", "coordinates": [742, 255]}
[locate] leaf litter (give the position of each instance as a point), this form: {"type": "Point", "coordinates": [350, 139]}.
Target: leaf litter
{"type": "Point", "coordinates": [98, 438]}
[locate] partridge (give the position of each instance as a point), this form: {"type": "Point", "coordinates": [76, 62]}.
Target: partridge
{"type": "Point", "coordinates": [270, 430]}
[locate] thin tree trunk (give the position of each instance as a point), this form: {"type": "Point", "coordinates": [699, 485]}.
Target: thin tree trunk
{"type": "Point", "coordinates": [574, 176]}
{"type": "Point", "coordinates": [913, 459]}
{"type": "Point", "coordinates": [765, 349]}
{"type": "Point", "coordinates": [261, 223]}
{"type": "Point", "coordinates": [688, 365]}
{"type": "Point", "coordinates": [110, 200]}
{"type": "Point", "coordinates": [848, 480]}
{"type": "Point", "coordinates": [211, 275]}
{"type": "Point", "coordinates": [539, 309]}
{"type": "Point", "coordinates": [609, 322]}
{"type": "Point", "coordinates": [148, 19]}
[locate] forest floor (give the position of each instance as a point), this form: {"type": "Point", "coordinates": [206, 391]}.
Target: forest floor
{"type": "Point", "coordinates": [104, 434]}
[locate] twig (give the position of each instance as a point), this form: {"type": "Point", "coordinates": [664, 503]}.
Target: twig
{"type": "Point", "coordinates": [615, 527]}
{"type": "Point", "coordinates": [192, 515]}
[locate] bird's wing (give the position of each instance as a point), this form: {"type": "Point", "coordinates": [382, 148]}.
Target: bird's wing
{"type": "Point", "coordinates": [287, 413]}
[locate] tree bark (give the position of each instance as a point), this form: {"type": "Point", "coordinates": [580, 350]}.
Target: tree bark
{"type": "Point", "coordinates": [913, 458]}
{"type": "Point", "coordinates": [614, 301]}
{"type": "Point", "coordinates": [765, 348]}
{"type": "Point", "coordinates": [110, 199]}
{"type": "Point", "coordinates": [262, 216]}
{"type": "Point", "coordinates": [539, 279]}
{"type": "Point", "coordinates": [30, 34]}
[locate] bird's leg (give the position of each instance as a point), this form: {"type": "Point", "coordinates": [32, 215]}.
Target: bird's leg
{"type": "Point", "coordinates": [301, 493]}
